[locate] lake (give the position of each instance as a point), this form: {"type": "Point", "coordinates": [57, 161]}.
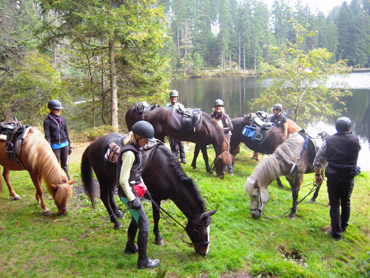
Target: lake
{"type": "Point", "coordinates": [237, 92]}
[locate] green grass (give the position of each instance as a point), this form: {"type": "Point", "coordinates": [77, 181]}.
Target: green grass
{"type": "Point", "coordinates": [84, 243]}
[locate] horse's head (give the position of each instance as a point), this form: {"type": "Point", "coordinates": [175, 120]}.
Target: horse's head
{"type": "Point", "coordinates": [223, 159]}
{"type": "Point", "coordinates": [62, 192]}
{"type": "Point", "coordinates": [258, 197]}
{"type": "Point", "coordinates": [198, 232]}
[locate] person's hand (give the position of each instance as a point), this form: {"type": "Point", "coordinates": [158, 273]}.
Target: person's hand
{"type": "Point", "coordinates": [318, 179]}
{"type": "Point", "coordinates": [134, 204]}
{"type": "Point", "coordinates": [69, 150]}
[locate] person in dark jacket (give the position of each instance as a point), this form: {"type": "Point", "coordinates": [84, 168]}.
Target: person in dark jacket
{"type": "Point", "coordinates": [341, 152]}
{"type": "Point", "coordinates": [224, 122]}
{"type": "Point", "coordinates": [56, 133]}
{"type": "Point", "coordinates": [132, 187]}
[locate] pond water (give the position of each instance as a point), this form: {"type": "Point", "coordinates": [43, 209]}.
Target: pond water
{"type": "Point", "coordinates": [237, 92]}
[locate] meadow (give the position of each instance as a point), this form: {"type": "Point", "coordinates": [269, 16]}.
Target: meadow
{"type": "Point", "coordinates": [84, 244]}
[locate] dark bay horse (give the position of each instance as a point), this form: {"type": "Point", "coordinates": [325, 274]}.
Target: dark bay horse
{"type": "Point", "coordinates": [164, 179]}
{"type": "Point", "coordinates": [37, 157]}
{"type": "Point", "coordinates": [285, 161]}
{"type": "Point", "coordinates": [208, 133]}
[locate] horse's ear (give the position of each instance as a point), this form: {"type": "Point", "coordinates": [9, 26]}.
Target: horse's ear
{"type": "Point", "coordinates": [255, 184]}
{"type": "Point", "coordinates": [71, 182]}
{"type": "Point", "coordinates": [205, 218]}
{"type": "Point", "coordinates": [54, 186]}
{"type": "Point", "coordinates": [212, 212]}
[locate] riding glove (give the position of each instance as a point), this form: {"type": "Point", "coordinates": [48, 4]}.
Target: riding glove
{"type": "Point", "coordinates": [134, 204]}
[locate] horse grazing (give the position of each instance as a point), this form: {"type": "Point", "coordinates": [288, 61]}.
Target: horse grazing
{"type": "Point", "coordinates": [37, 157]}
{"type": "Point", "coordinates": [287, 161]}
{"type": "Point", "coordinates": [164, 179]}
{"type": "Point", "coordinates": [207, 133]}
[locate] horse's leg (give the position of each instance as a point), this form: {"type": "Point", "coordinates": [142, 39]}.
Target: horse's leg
{"type": "Point", "coordinates": [39, 193]}
{"type": "Point", "coordinates": [156, 217]}
{"type": "Point", "coordinates": [295, 183]}
{"type": "Point", "coordinates": [255, 156]}
{"type": "Point", "coordinates": [279, 183]}
{"type": "Point", "coordinates": [105, 197]}
{"type": "Point", "coordinates": [195, 156]}
{"type": "Point", "coordinates": [205, 157]}
{"type": "Point", "coordinates": [6, 176]}
{"type": "Point", "coordinates": [113, 204]}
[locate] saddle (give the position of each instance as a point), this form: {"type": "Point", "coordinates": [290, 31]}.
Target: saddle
{"type": "Point", "coordinates": [258, 127]}
{"type": "Point", "coordinates": [13, 132]}
{"type": "Point", "coordinates": [143, 108]}
{"type": "Point", "coordinates": [185, 119]}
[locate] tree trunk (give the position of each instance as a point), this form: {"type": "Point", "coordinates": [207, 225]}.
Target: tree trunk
{"type": "Point", "coordinates": [113, 85]}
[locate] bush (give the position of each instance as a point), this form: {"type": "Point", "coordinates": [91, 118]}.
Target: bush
{"type": "Point", "coordinates": [92, 133]}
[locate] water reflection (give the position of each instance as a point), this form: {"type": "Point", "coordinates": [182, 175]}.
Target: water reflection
{"type": "Point", "coordinates": [237, 92]}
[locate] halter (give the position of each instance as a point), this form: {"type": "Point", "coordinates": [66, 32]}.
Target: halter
{"type": "Point", "coordinates": [259, 200]}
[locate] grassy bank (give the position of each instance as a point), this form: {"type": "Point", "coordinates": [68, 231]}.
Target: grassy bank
{"type": "Point", "coordinates": [84, 243]}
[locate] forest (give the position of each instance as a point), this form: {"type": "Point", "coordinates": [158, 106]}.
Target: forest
{"type": "Point", "coordinates": [110, 54]}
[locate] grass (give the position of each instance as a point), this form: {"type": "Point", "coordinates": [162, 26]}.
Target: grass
{"type": "Point", "coordinates": [84, 243]}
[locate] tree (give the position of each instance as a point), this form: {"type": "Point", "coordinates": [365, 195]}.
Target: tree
{"type": "Point", "coordinates": [298, 80]}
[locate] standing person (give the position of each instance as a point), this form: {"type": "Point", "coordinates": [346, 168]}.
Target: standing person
{"type": "Point", "coordinates": [224, 122]}
{"type": "Point", "coordinates": [132, 187]}
{"type": "Point", "coordinates": [174, 97]}
{"type": "Point", "coordinates": [341, 152]}
{"type": "Point", "coordinates": [278, 119]}
{"type": "Point", "coordinates": [56, 133]}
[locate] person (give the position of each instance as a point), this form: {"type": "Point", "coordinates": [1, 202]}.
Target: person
{"type": "Point", "coordinates": [174, 96]}
{"type": "Point", "coordinates": [132, 187]}
{"type": "Point", "coordinates": [224, 122]}
{"type": "Point", "coordinates": [278, 119]}
{"type": "Point", "coordinates": [56, 133]}
{"type": "Point", "coordinates": [341, 152]}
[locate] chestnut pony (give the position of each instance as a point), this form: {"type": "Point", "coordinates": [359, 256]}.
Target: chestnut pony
{"type": "Point", "coordinates": [37, 157]}
{"type": "Point", "coordinates": [208, 133]}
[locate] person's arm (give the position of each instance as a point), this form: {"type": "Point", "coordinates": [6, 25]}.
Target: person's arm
{"type": "Point", "coordinates": [47, 131]}
{"type": "Point", "coordinates": [228, 124]}
{"type": "Point", "coordinates": [285, 128]}
{"type": "Point", "coordinates": [319, 161]}
{"type": "Point", "coordinates": [128, 159]}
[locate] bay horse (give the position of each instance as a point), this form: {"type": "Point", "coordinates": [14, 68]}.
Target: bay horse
{"type": "Point", "coordinates": [37, 157]}
{"type": "Point", "coordinates": [285, 161]}
{"type": "Point", "coordinates": [164, 179]}
{"type": "Point", "coordinates": [208, 133]}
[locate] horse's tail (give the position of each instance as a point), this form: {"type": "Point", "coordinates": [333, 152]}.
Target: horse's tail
{"type": "Point", "coordinates": [1, 180]}
{"type": "Point", "coordinates": [87, 176]}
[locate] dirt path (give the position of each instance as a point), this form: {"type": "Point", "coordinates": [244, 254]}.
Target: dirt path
{"type": "Point", "coordinates": [77, 151]}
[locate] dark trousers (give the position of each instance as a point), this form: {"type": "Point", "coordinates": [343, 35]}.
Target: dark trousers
{"type": "Point", "coordinates": [339, 191]}
{"type": "Point", "coordinates": [173, 145]}
{"type": "Point", "coordinates": [62, 156]}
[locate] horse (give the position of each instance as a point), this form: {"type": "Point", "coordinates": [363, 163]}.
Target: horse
{"type": "Point", "coordinates": [207, 133]}
{"type": "Point", "coordinates": [164, 179]}
{"type": "Point", "coordinates": [287, 161]}
{"type": "Point", "coordinates": [37, 157]}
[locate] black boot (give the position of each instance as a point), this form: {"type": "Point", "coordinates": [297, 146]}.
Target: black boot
{"type": "Point", "coordinates": [143, 261]}
{"type": "Point", "coordinates": [131, 248]}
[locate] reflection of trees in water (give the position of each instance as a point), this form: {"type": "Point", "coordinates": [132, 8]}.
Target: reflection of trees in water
{"type": "Point", "coordinates": [358, 107]}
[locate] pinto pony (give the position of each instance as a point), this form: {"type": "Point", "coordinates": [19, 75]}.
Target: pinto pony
{"type": "Point", "coordinates": [37, 157]}
{"type": "Point", "coordinates": [208, 133]}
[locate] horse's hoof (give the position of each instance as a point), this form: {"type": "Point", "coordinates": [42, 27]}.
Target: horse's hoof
{"type": "Point", "coordinates": [117, 226]}
{"type": "Point", "coordinates": [16, 197]}
{"type": "Point", "coordinates": [159, 242]}
{"type": "Point", "coordinates": [46, 213]}
{"type": "Point", "coordinates": [292, 217]}
{"type": "Point", "coordinates": [119, 215]}
{"type": "Point", "coordinates": [312, 201]}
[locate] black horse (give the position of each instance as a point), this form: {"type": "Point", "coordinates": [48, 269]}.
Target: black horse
{"type": "Point", "coordinates": [164, 179]}
{"type": "Point", "coordinates": [207, 133]}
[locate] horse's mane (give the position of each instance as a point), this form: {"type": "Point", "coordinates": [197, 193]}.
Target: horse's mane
{"type": "Point", "coordinates": [226, 144]}
{"type": "Point", "coordinates": [42, 159]}
{"type": "Point", "coordinates": [186, 181]}
{"type": "Point", "coordinates": [291, 148]}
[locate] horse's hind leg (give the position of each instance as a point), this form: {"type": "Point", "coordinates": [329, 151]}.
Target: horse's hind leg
{"type": "Point", "coordinates": [40, 194]}
{"type": "Point", "coordinates": [113, 204]}
{"type": "Point", "coordinates": [196, 153]}
{"type": "Point", "coordinates": [156, 217]}
{"type": "Point", "coordinates": [205, 157]}
{"type": "Point", "coordinates": [105, 197]}
{"type": "Point", "coordinates": [295, 183]}
{"type": "Point", "coordinates": [6, 176]}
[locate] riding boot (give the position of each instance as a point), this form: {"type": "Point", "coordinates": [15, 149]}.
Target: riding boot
{"type": "Point", "coordinates": [131, 248]}
{"type": "Point", "coordinates": [143, 261]}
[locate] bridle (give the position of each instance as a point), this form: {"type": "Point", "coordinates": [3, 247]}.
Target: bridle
{"type": "Point", "coordinates": [259, 200]}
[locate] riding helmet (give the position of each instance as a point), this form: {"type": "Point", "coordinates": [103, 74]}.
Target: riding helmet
{"type": "Point", "coordinates": [174, 93]}
{"type": "Point", "coordinates": [343, 124]}
{"type": "Point", "coordinates": [277, 106]}
{"type": "Point", "coordinates": [55, 104]}
{"type": "Point", "coordinates": [219, 102]}
{"type": "Point", "coordinates": [144, 129]}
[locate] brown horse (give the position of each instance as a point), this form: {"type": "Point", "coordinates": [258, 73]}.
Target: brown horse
{"type": "Point", "coordinates": [37, 157]}
{"type": "Point", "coordinates": [207, 133]}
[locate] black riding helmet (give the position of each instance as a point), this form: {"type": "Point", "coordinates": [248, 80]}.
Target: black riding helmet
{"type": "Point", "coordinates": [277, 106]}
{"type": "Point", "coordinates": [144, 129]}
{"type": "Point", "coordinates": [174, 93]}
{"type": "Point", "coordinates": [219, 102]}
{"type": "Point", "coordinates": [343, 124]}
{"type": "Point", "coordinates": [55, 104]}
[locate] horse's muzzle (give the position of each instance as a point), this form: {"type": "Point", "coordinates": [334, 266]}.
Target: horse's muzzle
{"type": "Point", "coordinates": [255, 214]}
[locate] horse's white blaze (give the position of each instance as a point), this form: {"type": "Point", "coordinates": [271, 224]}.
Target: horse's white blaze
{"type": "Point", "coordinates": [208, 231]}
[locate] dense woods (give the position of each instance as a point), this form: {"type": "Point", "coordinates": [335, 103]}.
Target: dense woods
{"type": "Point", "coordinates": [113, 52]}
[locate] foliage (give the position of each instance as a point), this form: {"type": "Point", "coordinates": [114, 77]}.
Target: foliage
{"type": "Point", "coordinates": [92, 133]}
{"type": "Point", "coordinates": [84, 243]}
{"type": "Point", "coordinates": [298, 80]}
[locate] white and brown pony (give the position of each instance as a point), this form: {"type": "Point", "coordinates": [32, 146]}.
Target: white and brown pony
{"type": "Point", "coordinates": [37, 157]}
{"type": "Point", "coordinates": [285, 161]}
